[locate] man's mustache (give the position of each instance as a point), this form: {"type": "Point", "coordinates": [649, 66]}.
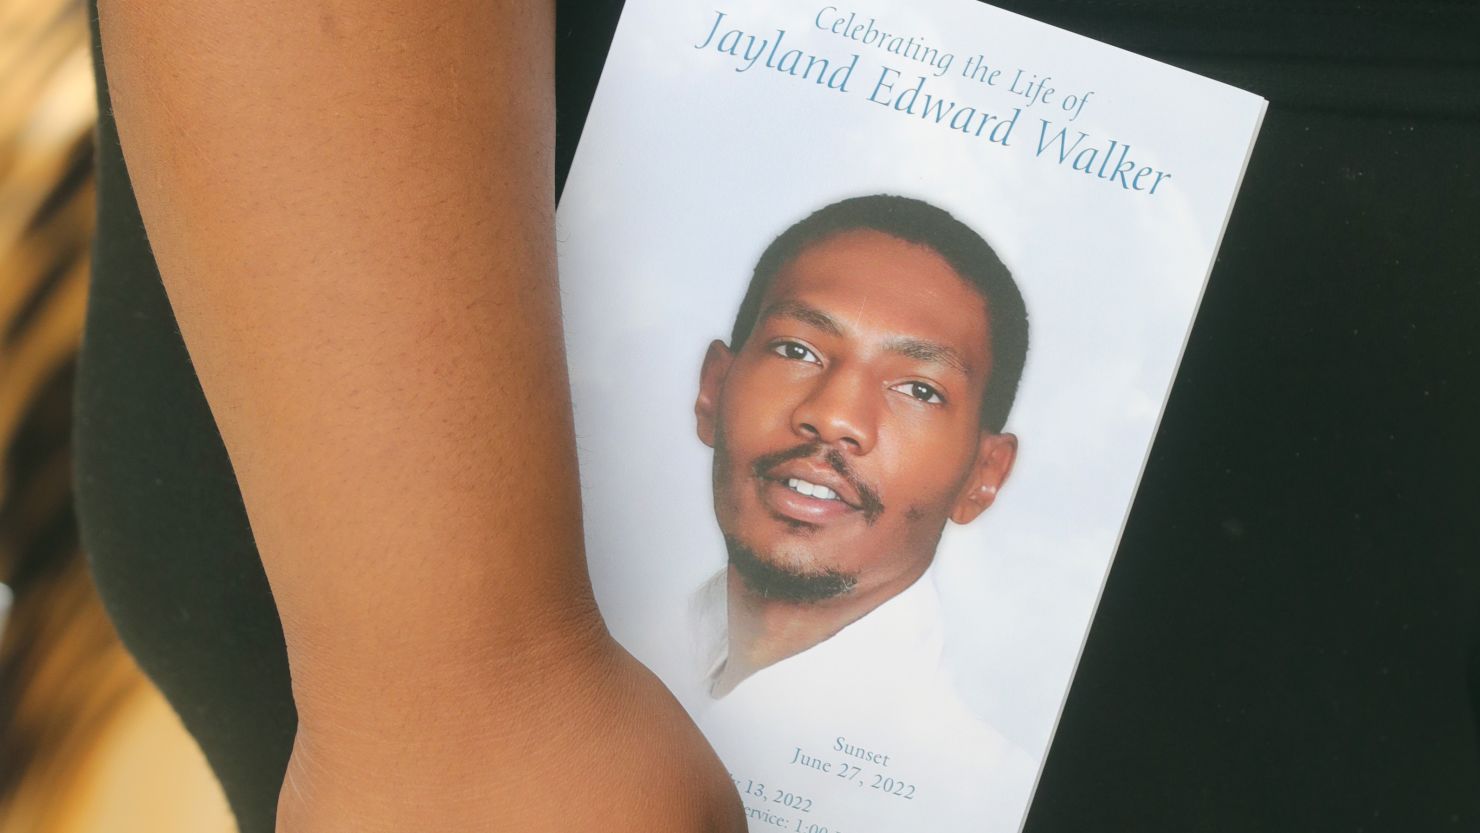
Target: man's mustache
{"type": "Point", "coordinates": [868, 499]}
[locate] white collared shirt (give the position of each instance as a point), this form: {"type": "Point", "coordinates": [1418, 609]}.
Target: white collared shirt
{"type": "Point", "coordinates": [875, 697]}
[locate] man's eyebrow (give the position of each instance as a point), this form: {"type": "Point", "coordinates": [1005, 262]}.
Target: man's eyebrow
{"type": "Point", "coordinates": [929, 351]}
{"type": "Point", "coordinates": [805, 313]}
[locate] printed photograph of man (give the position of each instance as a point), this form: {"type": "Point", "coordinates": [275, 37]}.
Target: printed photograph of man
{"type": "Point", "coordinates": [859, 405]}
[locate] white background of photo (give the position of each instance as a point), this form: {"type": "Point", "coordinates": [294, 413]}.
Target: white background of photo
{"type": "Point", "coordinates": [687, 169]}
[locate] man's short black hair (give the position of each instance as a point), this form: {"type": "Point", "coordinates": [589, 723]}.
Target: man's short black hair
{"type": "Point", "coordinates": [919, 222]}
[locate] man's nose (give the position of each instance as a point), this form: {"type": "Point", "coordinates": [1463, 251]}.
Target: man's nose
{"type": "Point", "coordinates": [841, 411]}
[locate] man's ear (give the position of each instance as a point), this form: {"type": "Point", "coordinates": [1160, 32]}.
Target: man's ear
{"type": "Point", "coordinates": [711, 382]}
{"type": "Point", "coordinates": [995, 454]}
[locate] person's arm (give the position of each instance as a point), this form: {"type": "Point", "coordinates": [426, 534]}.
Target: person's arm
{"type": "Point", "coordinates": [351, 205]}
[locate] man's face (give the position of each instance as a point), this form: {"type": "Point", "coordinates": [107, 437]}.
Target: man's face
{"type": "Point", "coordinates": [847, 427]}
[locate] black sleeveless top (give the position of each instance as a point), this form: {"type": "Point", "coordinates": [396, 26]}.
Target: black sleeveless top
{"type": "Point", "coordinates": [1290, 639]}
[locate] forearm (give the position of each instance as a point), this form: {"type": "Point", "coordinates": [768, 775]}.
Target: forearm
{"type": "Point", "coordinates": [351, 207]}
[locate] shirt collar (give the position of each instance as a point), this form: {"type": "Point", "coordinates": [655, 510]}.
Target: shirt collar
{"type": "Point", "coordinates": [900, 638]}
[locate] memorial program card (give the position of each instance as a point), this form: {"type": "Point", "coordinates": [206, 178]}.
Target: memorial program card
{"type": "Point", "coordinates": [871, 311]}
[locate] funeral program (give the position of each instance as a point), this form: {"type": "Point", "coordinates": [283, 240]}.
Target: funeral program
{"type": "Point", "coordinates": [871, 312]}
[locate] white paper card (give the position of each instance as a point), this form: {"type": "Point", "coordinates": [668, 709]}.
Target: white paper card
{"type": "Point", "coordinates": [869, 595]}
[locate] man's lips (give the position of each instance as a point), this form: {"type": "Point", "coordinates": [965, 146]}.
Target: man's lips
{"type": "Point", "coordinates": [787, 499]}
{"type": "Point", "coordinates": [816, 482]}
{"type": "Point", "coordinates": [813, 483]}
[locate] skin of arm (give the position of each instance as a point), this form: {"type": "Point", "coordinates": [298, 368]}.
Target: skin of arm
{"type": "Point", "coordinates": [351, 205]}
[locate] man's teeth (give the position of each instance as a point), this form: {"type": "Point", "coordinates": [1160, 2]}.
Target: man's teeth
{"type": "Point", "coordinates": [796, 484]}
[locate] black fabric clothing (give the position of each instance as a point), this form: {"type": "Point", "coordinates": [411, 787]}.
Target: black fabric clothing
{"type": "Point", "coordinates": [161, 518]}
{"type": "Point", "coordinates": [1290, 637]}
